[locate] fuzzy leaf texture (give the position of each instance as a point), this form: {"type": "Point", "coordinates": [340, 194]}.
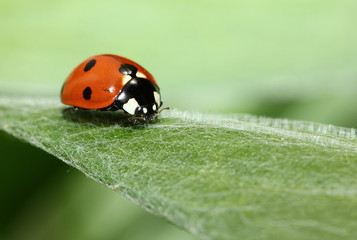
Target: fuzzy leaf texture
{"type": "Point", "coordinates": [217, 176]}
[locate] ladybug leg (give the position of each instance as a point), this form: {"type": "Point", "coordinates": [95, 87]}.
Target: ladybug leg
{"type": "Point", "coordinates": [69, 109]}
{"type": "Point", "coordinates": [135, 120]}
{"type": "Point", "coordinates": [104, 109]}
{"type": "Point", "coordinates": [112, 107]}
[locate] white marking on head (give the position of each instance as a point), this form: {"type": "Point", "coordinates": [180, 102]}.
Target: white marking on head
{"type": "Point", "coordinates": [145, 110]}
{"type": "Point", "coordinates": [154, 107]}
{"type": "Point", "coordinates": [125, 79]}
{"type": "Point", "coordinates": [140, 75]}
{"type": "Point", "coordinates": [157, 98]}
{"type": "Point", "coordinates": [131, 106]}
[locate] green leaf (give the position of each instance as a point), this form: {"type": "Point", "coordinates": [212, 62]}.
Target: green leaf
{"type": "Point", "coordinates": [218, 176]}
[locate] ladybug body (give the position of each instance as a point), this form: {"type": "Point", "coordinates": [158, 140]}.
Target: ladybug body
{"type": "Point", "coordinates": [111, 82]}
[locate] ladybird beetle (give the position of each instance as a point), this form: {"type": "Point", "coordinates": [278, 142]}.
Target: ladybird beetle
{"type": "Point", "coordinates": [111, 82]}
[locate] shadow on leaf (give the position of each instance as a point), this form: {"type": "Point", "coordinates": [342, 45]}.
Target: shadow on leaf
{"type": "Point", "coordinates": [100, 118]}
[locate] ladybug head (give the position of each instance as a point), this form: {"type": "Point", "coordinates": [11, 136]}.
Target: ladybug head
{"type": "Point", "coordinates": [141, 98]}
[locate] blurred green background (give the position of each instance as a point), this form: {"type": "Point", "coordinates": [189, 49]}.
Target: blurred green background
{"type": "Point", "coordinates": [289, 59]}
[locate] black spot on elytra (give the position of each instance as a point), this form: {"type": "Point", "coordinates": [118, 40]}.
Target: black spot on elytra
{"type": "Point", "coordinates": [128, 69]}
{"type": "Point", "coordinates": [89, 65]}
{"type": "Point", "coordinates": [87, 93]}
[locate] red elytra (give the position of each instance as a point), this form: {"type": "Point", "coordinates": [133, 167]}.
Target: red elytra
{"type": "Point", "coordinates": [97, 82]}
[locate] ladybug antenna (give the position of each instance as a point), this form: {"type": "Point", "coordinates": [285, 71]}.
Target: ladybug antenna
{"type": "Point", "coordinates": [165, 108]}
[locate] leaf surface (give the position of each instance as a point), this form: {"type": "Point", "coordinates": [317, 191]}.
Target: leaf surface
{"type": "Point", "coordinates": [218, 176]}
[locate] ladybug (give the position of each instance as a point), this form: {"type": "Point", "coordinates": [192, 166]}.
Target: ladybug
{"type": "Point", "coordinates": [110, 82]}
